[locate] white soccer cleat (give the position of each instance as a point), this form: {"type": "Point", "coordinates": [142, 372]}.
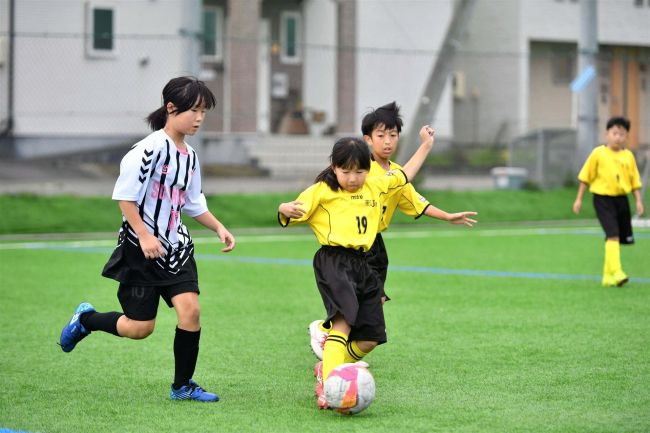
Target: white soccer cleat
{"type": "Point", "coordinates": [317, 338]}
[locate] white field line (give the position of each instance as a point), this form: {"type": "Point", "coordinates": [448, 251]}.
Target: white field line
{"type": "Point", "coordinates": [308, 237]}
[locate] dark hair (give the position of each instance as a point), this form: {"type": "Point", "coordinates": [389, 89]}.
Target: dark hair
{"type": "Point", "coordinates": [348, 153]}
{"type": "Point", "coordinates": [619, 121]}
{"type": "Point", "coordinates": [185, 93]}
{"type": "Point", "coordinates": [387, 115]}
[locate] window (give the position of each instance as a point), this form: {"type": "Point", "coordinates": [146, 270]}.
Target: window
{"type": "Point", "coordinates": [100, 30]}
{"type": "Point", "coordinates": [212, 42]}
{"type": "Point", "coordinates": [290, 35]}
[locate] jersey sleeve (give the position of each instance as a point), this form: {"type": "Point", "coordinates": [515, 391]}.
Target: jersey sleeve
{"type": "Point", "coordinates": [394, 179]}
{"type": "Point", "coordinates": [310, 199]}
{"type": "Point", "coordinates": [411, 203]}
{"type": "Point", "coordinates": [588, 172]}
{"type": "Point", "coordinates": [135, 171]}
{"type": "Point", "coordinates": [195, 202]}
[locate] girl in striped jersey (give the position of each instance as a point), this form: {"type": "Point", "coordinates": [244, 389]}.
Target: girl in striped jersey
{"type": "Point", "coordinates": [160, 178]}
{"type": "Point", "coordinates": [344, 209]}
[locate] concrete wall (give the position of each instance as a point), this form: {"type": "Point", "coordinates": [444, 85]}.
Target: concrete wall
{"type": "Point", "coordinates": [493, 60]}
{"type": "Point", "coordinates": [397, 46]}
{"type": "Point", "coordinates": [319, 72]}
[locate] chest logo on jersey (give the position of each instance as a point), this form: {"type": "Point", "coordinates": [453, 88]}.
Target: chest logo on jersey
{"type": "Point", "coordinates": [164, 169]}
{"type": "Point", "coordinates": [369, 203]}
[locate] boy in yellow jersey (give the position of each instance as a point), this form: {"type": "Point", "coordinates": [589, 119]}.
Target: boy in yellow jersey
{"type": "Point", "coordinates": [611, 174]}
{"type": "Point", "coordinates": [344, 211]}
{"type": "Point", "coordinates": [381, 129]}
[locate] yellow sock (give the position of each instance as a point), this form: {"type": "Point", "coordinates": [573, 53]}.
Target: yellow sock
{"type": "Point", "coordinates": [353, 353]}
{"type": "Point", "coordinates": [334, 351]}
{"type": "Point", "coordinates": [612, 257]}
{"type": "Point", "coordinates": [325, 326]}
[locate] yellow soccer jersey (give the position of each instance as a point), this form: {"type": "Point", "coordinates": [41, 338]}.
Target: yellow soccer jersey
{"type": "Point", "coordinates": [346, 219]}
{"type": "Point", "coordinates": [610, 172]}
{"type": "Point", "coordinates": [407, 199]}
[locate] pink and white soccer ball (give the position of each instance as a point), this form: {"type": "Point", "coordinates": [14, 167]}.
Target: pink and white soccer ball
{"type": "Point", "coordinates": [350, 388]}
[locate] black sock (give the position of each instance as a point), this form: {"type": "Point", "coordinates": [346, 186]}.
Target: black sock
{"type": "Point", "coordinates": [106, 322]}
{"type": "Point", "coordinates": [186, 352]}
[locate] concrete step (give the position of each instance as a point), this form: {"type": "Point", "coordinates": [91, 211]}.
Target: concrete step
{"type": "Point", "coordinates": [287, 156]}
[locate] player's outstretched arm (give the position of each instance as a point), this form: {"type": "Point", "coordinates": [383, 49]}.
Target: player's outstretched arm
{"type": "Point", "coordinates": [452, 218]}
{"type": "Point", "coordinates": [207, 220]}
{"type": "Point", "coordinates": [413, 165]}
{"type": "Point", "coordinates": [464, 218]}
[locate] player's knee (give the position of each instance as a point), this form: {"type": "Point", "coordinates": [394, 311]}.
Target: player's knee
{"type": "Point", "coordinates": [371, 346]}
{"type": "Point", "coordinates": [190, 316]}
{"type": "Point", "coordinates": [141, 330]}
{"type": "Point", "coordinates": [367, 346]}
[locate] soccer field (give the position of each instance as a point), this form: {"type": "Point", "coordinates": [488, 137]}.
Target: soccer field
{"type": "Point", "coordinates": [490, 330]}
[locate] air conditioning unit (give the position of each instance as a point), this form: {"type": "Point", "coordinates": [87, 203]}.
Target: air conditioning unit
{"type": "Point", "coordinates": [458, 84]}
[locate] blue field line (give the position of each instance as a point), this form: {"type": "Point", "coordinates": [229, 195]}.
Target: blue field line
{"type": "Point", "coordinates": [422, 269]}
{"type": "Point", "coordinates": [6, 430]}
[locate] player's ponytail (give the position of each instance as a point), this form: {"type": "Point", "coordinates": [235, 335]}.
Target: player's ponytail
{"type": "Point", "coordinates": [329, 177]}
{"type": "Point", "coordinates": [157, 119]}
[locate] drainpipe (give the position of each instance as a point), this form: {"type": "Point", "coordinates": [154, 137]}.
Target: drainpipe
{"type": "Point", "coordinates": [6, 132]}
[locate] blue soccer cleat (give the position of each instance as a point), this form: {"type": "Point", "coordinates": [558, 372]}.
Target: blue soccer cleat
{"type": "Point", "coordinates": [74, 331]}
{"type": "Point", "coordinates": [192, 392]}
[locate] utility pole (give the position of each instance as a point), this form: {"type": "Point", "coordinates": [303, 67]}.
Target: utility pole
{"type": "Point", "coordinates": [587, 137]}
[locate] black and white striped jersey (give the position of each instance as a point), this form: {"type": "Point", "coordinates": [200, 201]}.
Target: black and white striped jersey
{"type": "Point", "coordinates": [163, 181]}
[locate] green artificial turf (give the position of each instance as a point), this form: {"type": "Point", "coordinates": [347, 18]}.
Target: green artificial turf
{"type": "Point", "coordinates": [490, 330]}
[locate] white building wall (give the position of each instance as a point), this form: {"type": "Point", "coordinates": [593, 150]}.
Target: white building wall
{"type": "Point", "coordinates": [397, 45]}
{"type": "Point", "coordinates": [619, 21]}
{"type": "Point", "coordinates": [319, 71]}
{"type": "Point", "coordinates": [61, 91]}
{"type": "Point", "coordinates": [492, 60]}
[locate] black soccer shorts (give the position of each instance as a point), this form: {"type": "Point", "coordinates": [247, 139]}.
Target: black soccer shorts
{"type": "Point", "coordinates": [141, 302]}
{"type": "Point", "coordinates": [614, 216]}
{"type": "Point", "coordinates": [350, 287]}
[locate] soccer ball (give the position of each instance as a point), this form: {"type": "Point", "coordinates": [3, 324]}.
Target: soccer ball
{"type": "Point", "coordinates": [350, 388]}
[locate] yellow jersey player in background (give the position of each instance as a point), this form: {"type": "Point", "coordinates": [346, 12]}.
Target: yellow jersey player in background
{"type": "Point", "coordinates": [611, 174]}
{"type": "Point", "coordinates": [344, 209]}
{"type": "Point", "coordinates": [381, 130]}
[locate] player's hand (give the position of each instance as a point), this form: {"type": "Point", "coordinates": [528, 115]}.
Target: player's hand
{"type": "Point", "coordinates": [292, 209]}
{"type": "Point", "coordinates": [463, 218]}
{"type": "Point", "coordinates": [427, 135]}
{"type": "Point", "coordinates": [151, 247]}
{"type": "Point", "coordinates": [577, 205]}
{"type": "Point", "coordinates": [226, 238]}
{"type": "Point", "coordinates": [639, 208]}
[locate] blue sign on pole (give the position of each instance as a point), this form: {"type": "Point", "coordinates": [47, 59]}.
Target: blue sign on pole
{"type": "Point", "coordinates": [583, 78]}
